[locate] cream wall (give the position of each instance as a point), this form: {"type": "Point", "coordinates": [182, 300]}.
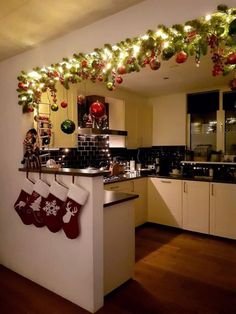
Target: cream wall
{"type": "Point", "coordinates": [169, 119]}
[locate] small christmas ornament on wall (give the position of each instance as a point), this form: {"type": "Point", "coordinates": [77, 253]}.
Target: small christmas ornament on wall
{"type": "Point", "coordinates": [67, 126]}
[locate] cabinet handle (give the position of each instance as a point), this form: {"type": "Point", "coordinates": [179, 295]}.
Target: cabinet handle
{"type": "Point", "coordinates": [165, 181]}
{"type": "Point", "coordinates": [212, 189]}
{"type": "Point", "coordinates": [185, 186]}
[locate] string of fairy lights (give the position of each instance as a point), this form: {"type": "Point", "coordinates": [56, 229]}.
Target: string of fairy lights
{"type": "Point", "coordinates": [214, 33]}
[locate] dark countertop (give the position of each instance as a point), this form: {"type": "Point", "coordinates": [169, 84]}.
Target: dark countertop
{"type": "Point", "coordinates": [68, 171]}
{"type": "Point", "coordinates": [133, 176]}
{"type": "Point", "coordinates": [113, 197]}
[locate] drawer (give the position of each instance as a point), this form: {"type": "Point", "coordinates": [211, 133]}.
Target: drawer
{"type": "Point", "coordinates": [124, 186]}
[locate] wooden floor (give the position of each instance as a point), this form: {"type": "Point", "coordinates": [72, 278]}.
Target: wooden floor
{"type": "Point", "coordinates": [176, 272]}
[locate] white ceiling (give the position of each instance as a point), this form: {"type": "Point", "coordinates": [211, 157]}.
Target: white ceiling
{"type": "Point", "coordinates": [25, 24]}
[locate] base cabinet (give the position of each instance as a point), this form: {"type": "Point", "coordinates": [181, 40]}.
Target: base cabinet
{"type": "Point", "coordinates": [165, 201]}
{"type": "Point", "coordinates": [137, 186]}
{"type": "Point", "coordinates": [196, 206]}
{"type": "Point", "coordinates": [223, 210]}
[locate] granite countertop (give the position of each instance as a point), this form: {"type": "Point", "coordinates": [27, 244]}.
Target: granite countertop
{"type": "Point", "coordinates": [113, 197]}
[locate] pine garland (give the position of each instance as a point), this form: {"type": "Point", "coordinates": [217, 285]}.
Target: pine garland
{"type": "Point", "coordinates": [216, 32]}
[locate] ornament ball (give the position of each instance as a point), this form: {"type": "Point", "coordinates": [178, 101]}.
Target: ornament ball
{"type": "Point", "coordinates": [181, 57]}
{"type": "Point", "coordinates": [54, 107]}
{"type": "Point", "coordinates": [97, 109]}
{"type": "Point", "coordinates": [68, 126]}
{"type": "Point", "coordinates": [121, 69]}
{"type": "Point", "coordinates": [110, 85]}
{"type": "Point", "coordinates": [231, 58]}
{"type": "Point", "coordinates": [154, 63]}
{"type": "Point", "coordinates": [119, 79]}
{"type": "Point", "coordinates": [64, 104]}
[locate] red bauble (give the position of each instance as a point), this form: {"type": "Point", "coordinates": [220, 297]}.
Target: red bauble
{"type": "Point", "coordinates": [233, 84]}
{"type": "Point", "coordinates": [181, 57]}
{"type": "Point", "coordinates": [121, 69]}
{"type": "Point", "coordinates": [154, 63]}
{"type": "Point", "coordinates": [119, 79]}
{"type": "Point", "coordinates": [97, 109]}
{"type": "Point", "coordinates": [231, 58]}
{"type": "Point", "coordinates": [64, 104]}
{"type": "Point", "coordinates": [56, 74]}
{"type": "Point", "coordinates": [84, 64]}
{"type": "Point", "coordinates": [21, 85]}
{"type": "Point", "coordinates": [30, 109]}
{"type": "Point", "coordinates": [100, 78]}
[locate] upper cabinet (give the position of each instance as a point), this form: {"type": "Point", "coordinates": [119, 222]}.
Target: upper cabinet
{"type": "Point", "coordinates": [169, 120]}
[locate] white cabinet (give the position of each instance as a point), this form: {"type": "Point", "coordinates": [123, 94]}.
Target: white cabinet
{"type": "Point", "coordinates": [165, 201]}
{"type": "Point", "coordinates": [223, 210]}
{"type": "Point", "coordinates": [137, 186]}
{"type": "Point", "coordinates": [140, 203]}
{"type": "Point", "coordinates": [196, 206]}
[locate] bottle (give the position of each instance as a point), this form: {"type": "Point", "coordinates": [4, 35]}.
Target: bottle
{"type": "Point", "coordinates": [211, 172]}
{"type": "Point", "coordinates": [132, 165]}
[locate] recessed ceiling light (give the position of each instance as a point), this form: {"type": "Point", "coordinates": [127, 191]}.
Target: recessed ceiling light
{"type": "Point", "coordinates": [166, 78]}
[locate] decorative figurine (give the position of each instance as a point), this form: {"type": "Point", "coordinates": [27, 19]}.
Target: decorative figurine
{"type": "Point", "coordinates": [31, 150]}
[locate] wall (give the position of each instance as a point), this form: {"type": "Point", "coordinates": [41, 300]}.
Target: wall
{"type": "Point", "coordinates": [169, 119]}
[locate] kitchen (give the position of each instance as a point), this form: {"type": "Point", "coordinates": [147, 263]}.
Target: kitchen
{"type": "Point", "coordinates": [16, 127]}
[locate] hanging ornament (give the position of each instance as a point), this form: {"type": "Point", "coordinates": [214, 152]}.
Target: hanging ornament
{"type": "Point", "coordinates": [30, 109]}
{"type": "Point", "coordinates": [154, 63]}
{"type": "Point", "coordinates": [167, 53]}
{"type": "Point", "coordinates": [121, 69]}
{"type": "Point", "coordinates": [119, 79]}
{"type": "Point", "coordinates": [181, 57]}
{"type": "Point", "coordinates": [80, 99]}
{"type": "Point", "coordinates": [84, 64]}
{"type": "Point", "coordinates": [54, 107]}
{"type": "Point", "coordinates": [68, 126]}
{"type": "Point", "coordinates": [97, 109]}
{"type": "Point", "coordinates": [100, 78]}
{"type": "Point", "coordinates": [233, 84]}
{"type": "Point", "coordinates": [231, 58]}
{"type": "Point", "coordinates": [110, 85]}
{"type": "Point", "coordinates": [232, 28]}
{"type": "Point", "coordinates": [64, 104]}
{"type": "Point", "coordinates": [21, 85]}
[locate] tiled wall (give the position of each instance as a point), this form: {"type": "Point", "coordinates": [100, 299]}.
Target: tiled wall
{"type": "Point", "coordinates": [92, 151]}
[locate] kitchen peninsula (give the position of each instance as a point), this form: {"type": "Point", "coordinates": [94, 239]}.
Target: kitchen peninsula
{"type": "Point", "coordinates": [84, 269]}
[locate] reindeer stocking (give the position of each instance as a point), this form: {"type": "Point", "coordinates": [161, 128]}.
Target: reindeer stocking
{"type": "Point", "coordinates": [75, 199]}
{"type": "Point", "coordinates": [41, 191]}
{"type": "Point", "coordinates": [22, 199]}
{"type": "Point", "coordinates": [51, 207]}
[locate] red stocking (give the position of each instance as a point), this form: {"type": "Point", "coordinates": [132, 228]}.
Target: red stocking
{"type": "Point", "coordinates": [34, 202]}
{"type": "Point", "coordinates": [52, 206]}
{"type": "Point", "coordinates": [20, 204]}
{"type": "Point", "coordinates": [75, 199]}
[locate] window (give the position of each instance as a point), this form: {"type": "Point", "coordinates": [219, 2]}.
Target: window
{"type": "Point", "coordinates": [202, 108]}
{"type": "Point", "coordinates": [229, 106]}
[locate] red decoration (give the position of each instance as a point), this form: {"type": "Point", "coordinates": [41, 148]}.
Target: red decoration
{"type": "Point", "coordinates": [233, 84]}
{"type": "Point", "coordinates": [154, 63]}
{"type": "Point", "coordinates": [100, 78]}
{"type": "Point", "coordinates": [30, 109]}
{"type": "Point", "coordinates": [231, 58]}
{"type": "Point", "coordinates": [119, 79]}
{"type": "Point", "coordinates": [181, 57]}
{"type": "Point", "coordinates": [121, 69]}
{"type": "Point", "coordinates": [64, 104]}
{"type": "Point", "coordinates": [84, 64]}
{"type": "Point", "coordinates": [21, 85]}
{"type": "Point", "coordinates": [97, 109]}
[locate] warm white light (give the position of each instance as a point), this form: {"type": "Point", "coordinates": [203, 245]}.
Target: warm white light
{"type": "Point", "coordinates": [187, 28]}
{"type": "Point", "coordinates": [145, 37]}
{"type": "Point", "coordinates": [41, 85]}
{"type": "Point", "coordinates": [60, 69]}
{"type": "Point", "coordinates": [208, 17]}
{"type": "Point", "coordinates": [30, 91]}
{"type": "Point", "coordinates": [34, 75]}
{"type": "Point", "coordinates": [166, 44]}
{"type": "Point", "coordinates": [68, 66]}
{"type": "Point", "coordinates": [136, 49]}
{"type": "Point", "coordinates": [24, 98]}
{"type": "Point", "coordinates": [115, 47]}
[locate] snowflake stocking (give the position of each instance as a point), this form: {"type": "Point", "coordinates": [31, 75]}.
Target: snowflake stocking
{"type": "Point", "coordinates": [41, 191]}
{"type": "Point", "coordinates": [51, 207]}
{"type": "Point", "coordinates": [22, 199]}
{"type": "Point", "coordinates": [76, 197]}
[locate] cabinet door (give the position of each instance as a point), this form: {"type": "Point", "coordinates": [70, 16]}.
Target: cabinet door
{"type": "Point", "coordinates": [125, 186]}
{"type": "Point", "coordinates": [223, 210]}
{"type": "Point", "coordinates": [140, 204]}
{"type": "Point", "coordinates": [165, 201]}
{"type": "Point", "coordinates": [196, 206]}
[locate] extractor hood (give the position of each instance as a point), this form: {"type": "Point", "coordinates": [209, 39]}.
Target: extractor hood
{"type": "Point", "coordinates": [96, 131]}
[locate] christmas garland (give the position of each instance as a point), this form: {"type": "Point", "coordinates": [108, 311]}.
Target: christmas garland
{"type": "Point", "coordinates": [216, 31]}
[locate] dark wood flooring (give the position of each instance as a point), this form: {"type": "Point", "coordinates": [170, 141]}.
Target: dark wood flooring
{"type": "Point", "coordinates": [176, 272]}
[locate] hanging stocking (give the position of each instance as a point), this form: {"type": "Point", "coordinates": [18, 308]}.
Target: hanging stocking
{"type": "Point", "coordinates": [41, 190]}
{"type": "Point", "coordinates": [52, 206]}
{"type": "Point", "coordinates": [33, 204]}
{"type": "Point", "coordinates": [22, 199]}
{"type": "Point", "coordinates": [75, 199]}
